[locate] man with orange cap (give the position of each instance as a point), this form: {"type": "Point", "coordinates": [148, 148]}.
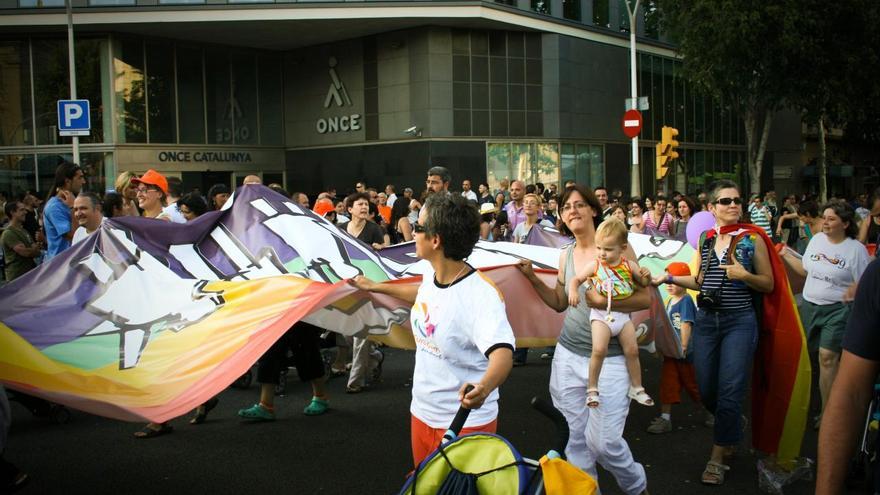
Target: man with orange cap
{"type": "Point", "coordinates": [678, 371]}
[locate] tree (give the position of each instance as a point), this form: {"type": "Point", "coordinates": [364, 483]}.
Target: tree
{"type": "Point", "coordinates": [729, 50]}
{"type": "Point", "coordinates": [833, 50]}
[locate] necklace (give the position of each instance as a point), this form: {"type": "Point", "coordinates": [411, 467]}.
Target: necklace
{"type": "Point", "coordinates": [464, 265]}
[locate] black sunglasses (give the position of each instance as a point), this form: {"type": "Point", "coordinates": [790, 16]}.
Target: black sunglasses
{"type": "Point", "coordinates": [727, 201]}
{"type": "Point", "coordinates": [418, 228]}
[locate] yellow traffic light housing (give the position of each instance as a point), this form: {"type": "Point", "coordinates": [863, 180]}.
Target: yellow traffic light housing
{"type": "Point", "coordinates": [666, 151]}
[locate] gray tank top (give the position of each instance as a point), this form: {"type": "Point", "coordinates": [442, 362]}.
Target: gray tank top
{"type": "Point", "coordinates": [575, 335]}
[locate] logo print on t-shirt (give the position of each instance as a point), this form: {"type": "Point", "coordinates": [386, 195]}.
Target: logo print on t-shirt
{"type": "Point", "coordinates": [838, 262]}
{"type": "Point", "coordinates": [422, 320]}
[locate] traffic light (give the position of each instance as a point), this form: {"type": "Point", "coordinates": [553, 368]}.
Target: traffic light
{"type": "Point", "coordinates": [666, 151]}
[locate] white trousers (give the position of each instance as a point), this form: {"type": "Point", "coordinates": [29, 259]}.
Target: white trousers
{"type": "Point", "coordinates": [365, 357]}
{"type": "Point", "coordinates": [596, 435]}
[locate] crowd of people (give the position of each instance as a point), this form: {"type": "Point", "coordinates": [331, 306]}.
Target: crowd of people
{"type": "Point", "coordinates": [595, 369]}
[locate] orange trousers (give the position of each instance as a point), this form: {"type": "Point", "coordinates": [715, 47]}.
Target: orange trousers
{"type": "Point", "coordinates": [425, 439]}
{"type": "Point", "coordinates": [678, 374]}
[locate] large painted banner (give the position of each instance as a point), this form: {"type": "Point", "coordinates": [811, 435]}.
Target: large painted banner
{"type": "Point", "coordinates": [145, 320]}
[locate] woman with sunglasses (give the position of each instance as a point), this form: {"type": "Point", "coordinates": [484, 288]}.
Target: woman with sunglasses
{"type": "Point", "coordinates": [725, 332]}
{"type": "Point", "coordinates": [459, 323]}
{"type": "Point", "coordinates": [596, 435]}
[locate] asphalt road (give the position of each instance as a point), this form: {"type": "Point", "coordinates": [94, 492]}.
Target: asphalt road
{"type": "Point", "coordinates": [361, 446]}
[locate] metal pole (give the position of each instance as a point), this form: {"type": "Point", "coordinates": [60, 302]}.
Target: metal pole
{"type": "Point", "coordinates": [635, 182]}
{"type": "Point", "coordinates": [72, 68]}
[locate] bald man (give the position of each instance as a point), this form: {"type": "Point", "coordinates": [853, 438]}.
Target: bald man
{"type": "Point", "coordinates": [252, 179]}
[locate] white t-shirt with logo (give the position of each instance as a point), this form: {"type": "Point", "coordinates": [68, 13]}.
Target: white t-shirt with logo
{"type": "Point", "coordinates": [454, 327]}
{"type": "Point", "coordinates": [832, 268]}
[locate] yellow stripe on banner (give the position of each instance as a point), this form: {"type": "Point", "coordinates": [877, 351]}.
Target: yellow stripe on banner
{"type": "Point", "coordinates": [798, 410]}
{"type": "Point", "coordinates": [172, 361]}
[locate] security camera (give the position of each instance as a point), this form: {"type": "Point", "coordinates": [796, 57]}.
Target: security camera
{"type": "Point", "coordinates": [412, 131]}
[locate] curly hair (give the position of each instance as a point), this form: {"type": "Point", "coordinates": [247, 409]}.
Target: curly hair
{"type": "Point", "coordinates": [847, 215]}
{"type": "Point", "coordinates": [456, 221]}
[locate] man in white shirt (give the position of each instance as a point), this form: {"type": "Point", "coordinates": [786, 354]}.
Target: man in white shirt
{"type": "Point", "coordinates": [392, 197]}
{"type": "Point", "coordinates": [466, 191]}
{"type": "Point", "coordinates": [88, 213]}
{"type": "Point", "coordinates": [175, 191]}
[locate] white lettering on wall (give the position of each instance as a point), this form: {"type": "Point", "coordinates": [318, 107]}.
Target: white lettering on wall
{"type": "Point", "coordinates": [344, 123]}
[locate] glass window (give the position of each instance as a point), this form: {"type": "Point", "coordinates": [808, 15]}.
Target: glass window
{"type": "Point", "coordinates": [88, 84]}
{"type": "Point", "coordinates": [461, 122]}
{"type": "Point", "coordinates": [171, 2]}
{"type": "Point", "coordinates": [567, 163]}
{"type": "Point", "coordinates": [622, 16]}
{"type": "Point", "coordinates": [460, 41]}
{"type": "Point", "coordinates": [271, 100]}
{"type": "Point", "coordinates": [16, 121]}
{"type": "Point", "coordinates": [497, 163]}
{"type": "Point", "coordinates": [95, 166]}
{"type": "Point", "coordinates": [98, 3]}
{"type": "Point", "coordinates": [657, 103]}
{"type": "Point", "coordinates": [41, 3]}
{"type": "Point", "coordinates": [517, 123]}
{"type": "Point", "coordinates": [461, 69]}
{"type": "Point", "coordinates": [243, 100]}
{"type": "Point", "coordinates": [499, 123]}
{"type": "Point", "coordinates": [597, 165]}
{"type": "Point", "coordinates": [461, 95]}
{"type": "Point", "coordinates": [521, 161]}
{"type": "Point", "coordinates": [480, 96]}
{"type": "Point", "coordinates": [480, 69]}
{"type": "Point", "coordinates": [541, 6]}
{"type": "Point", "coordinates": [515, 47]}
{"type": "Point", "coordinates": [582, 165]}
{"type": "Point", "coordinates": [499, 96]}
{"type": "Point", "coordinates": [17, 174]}
{"type": "Point", "coordinates": [191, 97]}
{"type": "Point", "coordinates": [600, 13]}
{"type": "Point", "coordinates": [160, 90]}
{"type": "Point", "coordinates": [221, 107]}
{"type": "Point", "coordinates": [128, 71]}
{"type": "Point", "coordinates": [668, 93]}
{"type": "Point", "coordinates": [680, 121]}
{"type": "Point", "coordinates": [545, 168]}
{"type": "Point", "coordinates": [571, 9]}
{"type": "Point", "coordinates": [480, 121]}
{"type": "Point", "coordinates": [652, 19]}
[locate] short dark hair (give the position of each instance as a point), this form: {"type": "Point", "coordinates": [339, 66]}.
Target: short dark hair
{"type": "Point", "coordinates": [691, 205]}
{"type": "Point", "coordinates": [351, 198]}
{"type": "Point", "coordinates": [591, 200]}
{"type": "Point", "coordinates": [175, 186]}
{"type": "Point", "coordinates": [443, 172]}
{"type": "Point", "coordinates": [112, 201]}
{"type": "Point", "coordinates": [600, 187]}
{"type": "Point", "coordinates": [194, 202]}
{"type": "Point", "coordinates": [808, 209]}
{"type": "Point", "coordinates": [93, 198]}
{"type": "Point", "coordinates": [846, 213]}
{"type": "Point", "coordinates": [457, 222]}
{"type": "Point", "coordinates": [10, 207]}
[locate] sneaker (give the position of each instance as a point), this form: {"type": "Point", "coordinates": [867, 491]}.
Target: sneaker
{"type": "Point", "coordinates": [316, 407]}
{"type": "Point", "coordinates": [257, 413]}
{"type": "Point", "coordinates": [710, 420]}
{"type": "Point", "coordinates": [547, 356]}
{"type": "Point", "coordinates": [660, 425]}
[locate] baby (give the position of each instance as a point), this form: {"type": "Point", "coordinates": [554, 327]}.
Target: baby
{"type": "Point", "coordinates": [616, 278]}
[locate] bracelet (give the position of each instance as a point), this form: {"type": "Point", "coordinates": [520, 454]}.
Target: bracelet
{"type": "Point", "coordinates": [669, 279]}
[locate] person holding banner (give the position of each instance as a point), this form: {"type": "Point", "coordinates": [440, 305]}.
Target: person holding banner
{"type": "Point", "coordinates": [460, 326]}
{"type": "Point", "coordinates": [734, 263]}
{"type": "Point", "coordinates": [596, 435]}
{"type": "Point", "coordinates": [832, 265]}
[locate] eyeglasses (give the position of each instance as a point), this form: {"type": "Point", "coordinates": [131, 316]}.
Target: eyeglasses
{"type": "Point", "coordinates": [143, 190]}
{"type": "Point", "coordinates": [726, 201]}
{"type": "Point", "coordinates": [418, 228]}
{"type": "Point", "coordinates": [568, 206]}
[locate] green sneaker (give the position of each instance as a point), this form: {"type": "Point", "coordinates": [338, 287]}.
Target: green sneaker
{"type": "Point", "coordinates": [257, 413]}
{"type": "Point", "coordinates": [317, 407]}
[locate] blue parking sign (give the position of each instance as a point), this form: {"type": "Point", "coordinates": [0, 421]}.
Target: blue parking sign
{"type": "Point", "coordinates": [73, 118]}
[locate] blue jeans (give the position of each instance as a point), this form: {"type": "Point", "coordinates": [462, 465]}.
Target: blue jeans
{"type": "Point", "coordinates": [724, 343]}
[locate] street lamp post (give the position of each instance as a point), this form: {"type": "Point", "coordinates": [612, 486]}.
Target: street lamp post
{"type": "Point", "coordinates": [635, 176]}
{"type": "Point", "coordinates": [72, 68]}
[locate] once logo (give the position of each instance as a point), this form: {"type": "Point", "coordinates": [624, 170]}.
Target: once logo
{"type": "Point", "coordinates": [339, 95]}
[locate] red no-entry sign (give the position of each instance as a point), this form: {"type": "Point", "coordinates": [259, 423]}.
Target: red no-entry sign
{"type": "Point", "coordinates": [632, 123]}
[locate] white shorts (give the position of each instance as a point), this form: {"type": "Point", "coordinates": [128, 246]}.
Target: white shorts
{"type": "Point", "coordinates": [620, 319]}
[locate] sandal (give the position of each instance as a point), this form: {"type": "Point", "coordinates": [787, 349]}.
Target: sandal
{"type": "Point", "coordinates": [203, 410]}
{"type": "Point", "coordinates": [714, 473]}
{"type": "Point", "coordinates": [148, 432]}
{"type": "Point", "coordinates": [639, 395]}
{"type": "Point", "coordinates": [593, 398]}
{"type": "Point", "coordinates": [317, 407]}
{"type": "Point", "coordinates": [336, 372]}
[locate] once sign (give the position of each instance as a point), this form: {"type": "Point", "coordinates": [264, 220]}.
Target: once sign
{"type": "Point", "coordinates": [339, 124]}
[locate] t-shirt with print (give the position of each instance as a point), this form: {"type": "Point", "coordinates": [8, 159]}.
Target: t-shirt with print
{"type": "Point", "coordinates": [832, 268]}
{"type": "Point", "coordinates": [680, 312]}
{"type": "Point", "coordinates": [455, 327]}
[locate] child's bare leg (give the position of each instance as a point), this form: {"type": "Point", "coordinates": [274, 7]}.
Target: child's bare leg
{"type": "Point", "coordinates": [601, 337]}
{"type": "Point", "coordinates": [630, 345]}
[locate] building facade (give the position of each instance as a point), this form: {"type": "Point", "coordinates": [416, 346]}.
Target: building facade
{"type": "Point", "coordinates": [323, 94]}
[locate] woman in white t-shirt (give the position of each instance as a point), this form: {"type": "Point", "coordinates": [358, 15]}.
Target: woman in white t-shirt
{"type": "Point", "coordinates": [832, 264]}
{"type": "Point", "coordinates": [459, 323]}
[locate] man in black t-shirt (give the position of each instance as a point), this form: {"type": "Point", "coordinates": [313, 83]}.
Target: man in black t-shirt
{"type": "Point", "coordinates": [844, 414]}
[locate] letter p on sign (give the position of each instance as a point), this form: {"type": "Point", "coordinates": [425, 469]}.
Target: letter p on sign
{"type": "Point", "coordinates": [73, 118]}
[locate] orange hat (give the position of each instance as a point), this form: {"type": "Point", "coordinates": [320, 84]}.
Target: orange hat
{"type": "Point", "coordinates": [323, 206]}
{"type": "Point", "coordinates": [678, 269]}
{"type": "Point", "coordinates": [153, 178]}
